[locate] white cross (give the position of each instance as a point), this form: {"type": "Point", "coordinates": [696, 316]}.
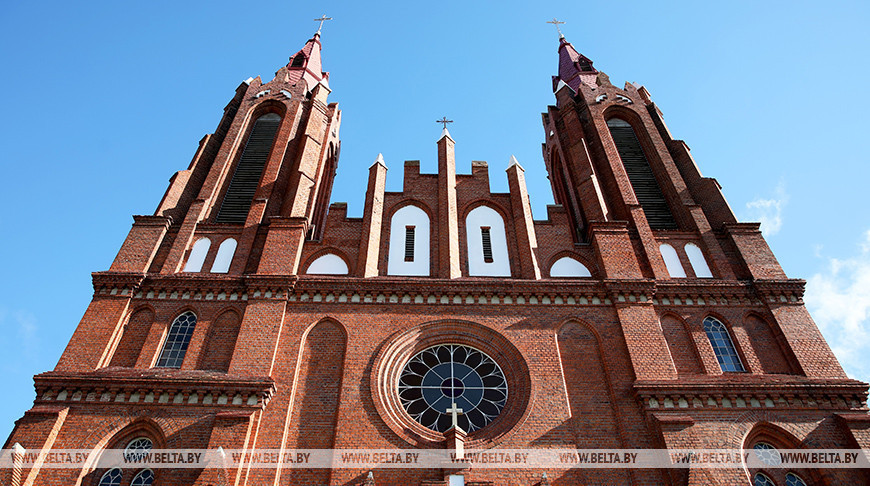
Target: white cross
{"type": "Point", "coordinates": [556, 23]}
{"type": "Point", "coordinates": [321, 20]}
{"type": "Point", "coordinates": [454, 411]}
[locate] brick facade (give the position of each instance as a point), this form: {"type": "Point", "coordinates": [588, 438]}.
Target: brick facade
{"type": "Point", "coordinates": [284, 358]}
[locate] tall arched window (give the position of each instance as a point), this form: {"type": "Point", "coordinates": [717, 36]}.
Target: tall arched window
{"type": "Point", "coordinates": [487, 243]}
{"type": "Point", "coordinates": [641, 176]}
{"type": "Point", "coordinates": [237, 201]}
{"type": "Point", "coordinates": [727, 356]}
{"type": "Point", "coordinates": [699, 263]}
{"type": "Point", "coordinates": [405, 243]}
{"type": "Point", "coordinates": [224, 256]}
{"type": "Point", "coordinates": [672, 261]}
{"type": "Point", "coordinates": [177, 341]}
{"type": "Point", "coordinates": [197, 255]}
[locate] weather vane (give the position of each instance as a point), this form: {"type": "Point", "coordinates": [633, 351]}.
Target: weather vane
{"type": "Point", "coordinates": [556, 23]}
{"type": "Point", "coordinates": [444, 121]}
{"type": "Point", "coordinates": [322, 19]}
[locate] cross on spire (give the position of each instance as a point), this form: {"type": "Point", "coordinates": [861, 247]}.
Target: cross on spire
{"type": "Point", "coordinates": [445, 121]}
{"type": "Point", "coordinates": [454, 411]}
{"type": "Point", "coordinates": [556, 23]}
{"type": "Point", "coordinates": [322, 19]}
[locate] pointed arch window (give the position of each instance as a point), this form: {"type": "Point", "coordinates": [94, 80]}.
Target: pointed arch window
{"type": "Point", "coordinates": [246, 179]}
{"type": "Point", "coordinates": [176, 343]}
{"type": "Point", "coordinates": [144, 478]}
{"type": "Point", "coordinates": [719, 338]}
{"type": "Point", "coordinates": [761, 479]}
{"type": "Point", "coordinates": [405, 243]}
{"type": "Point", "coordinates": [641, 176]}
{"type": "Point", "coordinates": [792, 479]}
{"type": "Point", "coordinates": [197, 255]}
{"type": "Point", "coordinates": [111, 478]}
{"type": "Point", "coordinates": [699, 263]}
{"type": "Point", "coordinates": [224, 256]}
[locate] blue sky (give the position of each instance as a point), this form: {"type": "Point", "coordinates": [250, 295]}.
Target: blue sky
{"type": "Point", "coordinates": [104, 101]}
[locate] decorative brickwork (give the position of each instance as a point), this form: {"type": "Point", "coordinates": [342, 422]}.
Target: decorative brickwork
{"type": "Point", "coordinates": [616, 357]}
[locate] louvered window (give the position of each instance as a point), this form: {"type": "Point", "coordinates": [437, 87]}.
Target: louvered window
{"type": "Point", "coordinates": [643, 181]}
{"type": "Point", "coordinates": [409, 243]}
{"type": "Point", "coordinates": [487, 244]}
{"type": "Point", "coordinates": [237, 201]}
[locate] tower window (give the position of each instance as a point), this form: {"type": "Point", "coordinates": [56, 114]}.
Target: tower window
{"type": "Point", "coordinates": [246, 179]}
{"type": "Point", "coordinates": [409, 243]}
{"type": "Point", "coordinates": [487, 244]}
{"type": "Point", "coordinates": [722, 346]}
{"type": "Point", "coordinates": [176, 343]}
{"type": "Point", "coordinates": [298, 61]}
{"type": "Point", "coordinates": [643, 181]}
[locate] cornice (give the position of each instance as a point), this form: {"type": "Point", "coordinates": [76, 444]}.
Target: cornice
{"type": "Point", "coordinates": [144, 387]}
{"type": "Point", "coordinates": [425, 290]}
{"type": "Point", "coordinates": [735, 391]}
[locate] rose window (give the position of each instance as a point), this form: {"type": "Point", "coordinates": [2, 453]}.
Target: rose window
{"type": "Point", "coordinates": [438, 377]}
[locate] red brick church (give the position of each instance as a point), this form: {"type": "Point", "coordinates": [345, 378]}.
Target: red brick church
{"type": "Point", "coordinates": [249, 313]}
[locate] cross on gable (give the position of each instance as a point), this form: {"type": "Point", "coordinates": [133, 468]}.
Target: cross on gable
{"type": "Point", "coordinates": [445, 121]}
{"type": "Point", "coordinates": [454, 411]}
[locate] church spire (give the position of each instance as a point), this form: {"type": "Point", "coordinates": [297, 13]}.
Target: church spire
{"type": "Point", "coordinates": [306, 64]}
{"type": "Point", "coordinates": [574, 68]}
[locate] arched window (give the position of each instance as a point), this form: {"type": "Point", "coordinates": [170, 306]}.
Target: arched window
{"type": "Point", "coordinates": [136, 448]}
{"type": "Point", "coordinates": [197, 255]}
{"type": "Point", "coordinates": [569, 267]}
{"type": "Point", "coordinates": [792, 479]}
{"type": "Point", "coordinates": [329, 264]}
{"type": "Point", "coordinates": [672, 261]}
{"type": "Point", "coordinates": [237, 201]}
{"type": "Point", "coordinates": [406, 243]}
{"type": "Point", "coordinates": [722, 346]}
{"type": "Point", "coordinates": [111, 478]}
{"type": "Point", "coordinates": [487, 243]}
{"type": "Point", "coordinates": [641, 176]}
{"type": "Point", "coordinates": [144, 478]}
{"type": "Point", "coordinates": [224, 256]}
{"type": "Point", "coordinates": [761, 479]}
{"type": "Point", "coordinates": [699, 263]}
{"type": "Point", "coordinates": [177, 341]}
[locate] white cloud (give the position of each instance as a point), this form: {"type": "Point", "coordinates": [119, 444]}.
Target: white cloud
{"type": "Point", "coordinates": [769, 211]}
{"type": "Point", "coordinates": [839, 300]}
{"type": "Point", "coordinates": [23, 339]}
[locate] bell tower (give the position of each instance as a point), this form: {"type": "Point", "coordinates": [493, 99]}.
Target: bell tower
{"type": "Point", "coordinates": [262, 179]}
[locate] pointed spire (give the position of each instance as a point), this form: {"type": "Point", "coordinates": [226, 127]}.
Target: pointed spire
{"type": "Point", "coordinates": [380, 160]}
{"type": "Point", "coordinates": [574, 68]}
{"type": "Point", "coordinates": [306, 64]}
{"type": "Point", "coordinates": [444, 133]}
{"type": "Point", "coordinates": [514, 162]}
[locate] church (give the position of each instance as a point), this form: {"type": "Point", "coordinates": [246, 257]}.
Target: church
{"type": "Point", "coordinates": [250, 314]}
